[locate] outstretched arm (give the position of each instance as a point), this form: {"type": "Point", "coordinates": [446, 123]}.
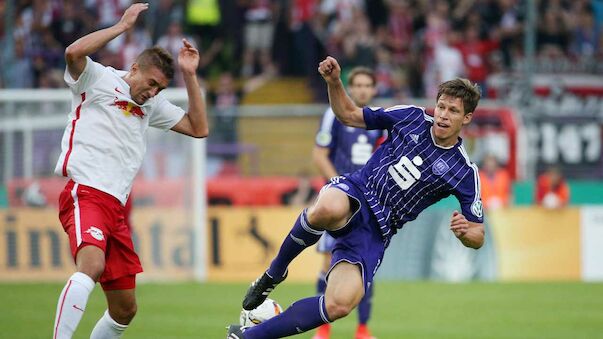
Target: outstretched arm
{"type": "Point", "coordinates": [194, 122]}
{"type": "Point", "coordinates": [320, 155]}
{"type": "Point", "coordinates": [76, 53]}
{"type": "Point", "coordinates": [345, 110]}
{"type": "Point", "coordinates": [471, 234]}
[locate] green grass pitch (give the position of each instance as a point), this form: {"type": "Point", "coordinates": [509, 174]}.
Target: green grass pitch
{"type": "Point", "coordinates": [401, 310]}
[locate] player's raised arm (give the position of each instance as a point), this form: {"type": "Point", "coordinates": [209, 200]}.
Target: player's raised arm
{"type": "Point", "coordinates": [344, 108]}
{"type": "Point", "coordinates": [471, 234]}
{"type": "Point", "coordinates": [194, 122]}
{"type": "Point", "coordinates": [76, 53]}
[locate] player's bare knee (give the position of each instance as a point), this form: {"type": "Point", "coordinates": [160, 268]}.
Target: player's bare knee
{"type": "Point", "coordinates": [90, 260]}
{"type": "Point", "coordinates": [337, 309]}
{"type": "Point", "coordinates": [130, 311]}
{"type": "Point", "coordinates": [92, 268]}
{"type": "Point", "coordinates": [326, 215]}
{"type": "Point", "coordinates": [124, 313]}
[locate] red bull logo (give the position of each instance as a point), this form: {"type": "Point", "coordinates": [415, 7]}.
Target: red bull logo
{"type": "Point", "coordinates": [128, 108]}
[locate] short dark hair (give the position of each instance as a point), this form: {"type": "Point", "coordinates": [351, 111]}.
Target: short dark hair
{"type": "Point", "coordinates": [361, 70]}
{"type": "Point", "coordinates": [461, 88]}
{"type": "Point", "coordinates": [158, 57]}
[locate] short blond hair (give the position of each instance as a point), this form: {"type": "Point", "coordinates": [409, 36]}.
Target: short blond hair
{"type": "Point", "coordinates": [158, 57]}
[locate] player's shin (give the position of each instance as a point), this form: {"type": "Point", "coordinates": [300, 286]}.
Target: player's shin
{"type": "Point", "coordinates": [321, 283]}
{"type": "Point", "coordinates": [71, 305]}
{"type": "Point", "coordinates": [364, 307]}
{"type": "Point", "coordinates": [107, 328]}
{"type": "Point", "coordinates": [303, 315]}
{"type": "Point", "coordinates": [302, 235]}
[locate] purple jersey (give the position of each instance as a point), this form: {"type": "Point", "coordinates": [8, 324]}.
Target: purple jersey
{"type": "Point", "coordinates": [409, 172]}
{"type": "Point", "coordinates": [349, 148]}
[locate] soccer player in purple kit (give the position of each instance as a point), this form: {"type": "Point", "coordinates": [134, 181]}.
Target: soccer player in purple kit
{"type": "Point", "coordinates": [340, 150]}
{"type": "Point", "coordinates": [422, 161]}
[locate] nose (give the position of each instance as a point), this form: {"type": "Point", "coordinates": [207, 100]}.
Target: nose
{"type": "Point", "coordinates": [444, 114]}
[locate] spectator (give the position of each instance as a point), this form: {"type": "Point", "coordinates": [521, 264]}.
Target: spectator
{"type": "Point", "coordinates": [475, 53]}
{"type": "Point", "coordinates": [20, 75]}
{"type": "Point", "coordinates": [397, 35]}
{"type": "Point", "coordinates": [386, 74]}
{"type": "Point", "coordinates": [448, 59]}
{"type": "Point", "coordinates": [585, 37]}
{"type": "Point", "coordinates": [69, 26]}
{"type": "Point", "coordinates": [414, 33]}
{"type": "Point", "coordinates": [107, 12]}
{"type": "Point", "coordinates": [552, 38]}
{"type": "Point", "coordinates": [510, 30]}
{"type": "Point", "coordinates": [259, 33]}
{"type": "Point", "coordinates": [359, 46]}
{"type": "Point", "coordinates": [133, 42]}
{"type": "Point", "coordinates": [203, 18]}
{"type": "Point", "coordinates": [551, 189]}
{"type": "Point", "coordinates": [495, 184]}
{"type": "Point", "coordinates": [172, 42]}
{"type": "Point", "coordinates": [225, 99]}
{"type": "Point", "coordinates": [163, 15]}
{"type": "Point", "coordinates": [304, 40]}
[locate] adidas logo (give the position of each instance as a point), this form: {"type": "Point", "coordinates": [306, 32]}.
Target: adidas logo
{"type": "Point", "coordinates": [415, 138]}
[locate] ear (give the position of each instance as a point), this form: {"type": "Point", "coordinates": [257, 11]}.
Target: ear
{"type": "Point", "coordinates": [134, 68]}
{"type": "Point", "coordinates": [467, 118]}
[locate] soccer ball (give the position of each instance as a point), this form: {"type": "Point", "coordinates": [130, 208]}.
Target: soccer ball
{"type": "Point", "coordinates": [268, 309]}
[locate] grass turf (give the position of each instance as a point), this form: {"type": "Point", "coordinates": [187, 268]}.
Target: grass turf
{"type": "Point", "coordinates": [401, 310]}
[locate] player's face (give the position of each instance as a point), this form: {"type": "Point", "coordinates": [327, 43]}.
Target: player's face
{"type": "Point", "coordinates": [362, 89]}
{"type": "Point", "coordinates": [146, 83]}
{"type": "Point", "coordinates": [449, 118]}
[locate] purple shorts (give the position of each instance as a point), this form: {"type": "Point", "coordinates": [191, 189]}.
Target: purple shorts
{"type": "Point", "coordinates": [360, 241]}
{"type": "Point", "coordinates": [326, 243]}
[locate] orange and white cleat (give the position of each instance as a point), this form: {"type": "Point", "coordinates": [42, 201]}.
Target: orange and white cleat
{"type": "Point", "coordinates": [362, 332]}
{"type": "Point", "coordinates": [323, 332]}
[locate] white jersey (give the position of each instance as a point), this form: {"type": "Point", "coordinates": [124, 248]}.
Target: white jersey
{"type": "Point", "coordinates": [105, 139]}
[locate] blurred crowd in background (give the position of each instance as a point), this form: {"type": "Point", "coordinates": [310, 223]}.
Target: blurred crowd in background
{"type": "Point", "coordinates": [412, 44]}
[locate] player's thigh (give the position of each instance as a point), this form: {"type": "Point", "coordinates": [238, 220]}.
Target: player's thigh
{"type": "Point", "coordinates": [331, 210]}
{"type": "Point", "coordinates": [326, 264]}
{"type": "Point", "coordinates": [90, 260]}
{"type": "Point", "coordinates": [345, 289]}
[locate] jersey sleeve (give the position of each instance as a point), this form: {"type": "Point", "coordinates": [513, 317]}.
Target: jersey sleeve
{"type": "Point", "coordinates": [93, 71]}
{"type": "Point", "coordinates": [165, 114]}
{"type": "Point", "coordinates": [385, 118]}
{"type": "Point", "coordinates": [326, 135]}
{"type": "Point", "coordinates": [468, 194]}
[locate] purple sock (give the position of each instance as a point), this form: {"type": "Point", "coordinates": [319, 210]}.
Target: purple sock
{"type": "Point", "coordinates": [321, 283]}
{"type": "Point", "coordinates": [300, 237]}
{"type": "Point", "coordinates": [364, 308]}
{"type": "Point", "coordinates": [303, 315]}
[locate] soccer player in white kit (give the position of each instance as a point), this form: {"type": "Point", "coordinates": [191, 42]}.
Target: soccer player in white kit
{"type": "Point", "coordinates": [102, 150]}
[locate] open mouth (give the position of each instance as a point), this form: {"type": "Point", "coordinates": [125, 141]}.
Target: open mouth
{"type": "Point", "coordinates": [442, 125]}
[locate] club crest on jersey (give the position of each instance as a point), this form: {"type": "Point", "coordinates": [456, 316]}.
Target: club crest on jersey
{"type": "Point", "coordinates": [128, 108]}
{"type": "Point", "coordinates": [440, 167]}
{"type": "Point", "coordinates": [477, 209]}
{"type": "Point", "coordinates": [323, 138]}
{"type": "Point", "coordinates": [95, 233]}
{"type": "Point", "coordinates": [343, 186]}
